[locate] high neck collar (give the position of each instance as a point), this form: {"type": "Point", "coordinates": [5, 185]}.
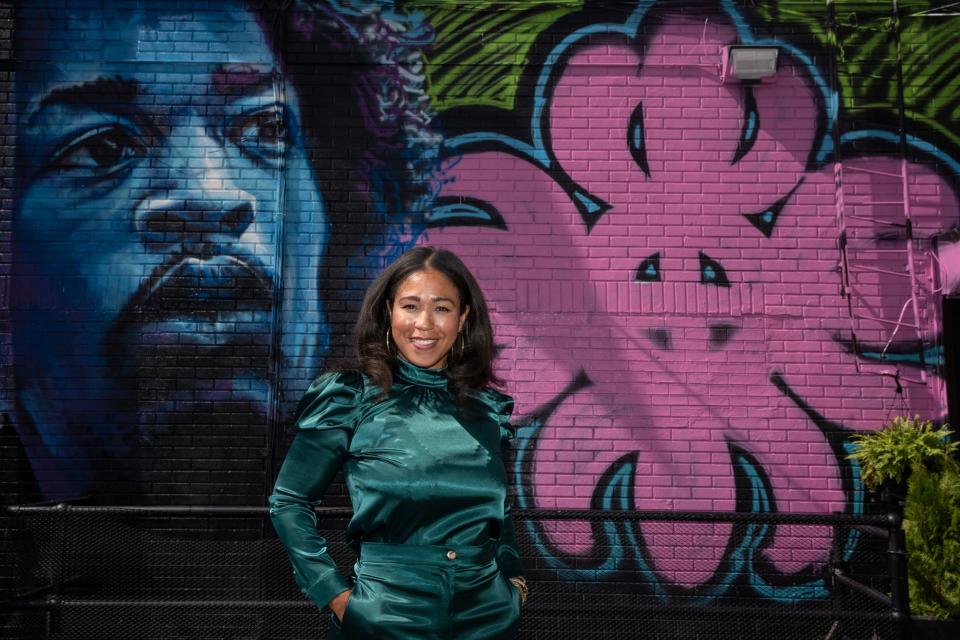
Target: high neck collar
{"type": "Point", "coordinates": [435, 378]}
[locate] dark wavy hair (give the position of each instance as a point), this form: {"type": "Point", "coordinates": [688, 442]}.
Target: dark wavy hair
{"type": "Point", "coordinates": [467, 371]}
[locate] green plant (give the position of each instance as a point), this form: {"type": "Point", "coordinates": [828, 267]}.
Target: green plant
{"type": "Point", "coordinates": [912, 448]}
{"type": "Point", "coordinates": [932, 527]}
{"type": "Point", "coordinates": [893, 451]}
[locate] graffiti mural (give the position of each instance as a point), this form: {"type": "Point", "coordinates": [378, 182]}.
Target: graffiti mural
{"type": "Point", "coordinates": [184, 197]}
{"type": "Point", "coordinates": [702, 287]}
{"type": "Point", "coordinates": [687, 320]}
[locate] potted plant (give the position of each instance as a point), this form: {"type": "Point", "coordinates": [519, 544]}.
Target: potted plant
{"type": "Point", "coordinates": [915, 451]}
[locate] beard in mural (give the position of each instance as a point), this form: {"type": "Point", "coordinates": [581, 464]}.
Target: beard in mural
{"type": "Point", "coordinates": [171, 235]}
{"type": "Point", "coordinates": [148, 243]}
{"type": "Point", "coordinates": [664, 251]}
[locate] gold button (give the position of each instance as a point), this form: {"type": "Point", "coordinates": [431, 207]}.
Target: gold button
{"type": "Point", "coordinates": [452, 555]}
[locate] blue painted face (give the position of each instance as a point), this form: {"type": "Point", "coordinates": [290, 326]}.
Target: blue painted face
{"type": "Point", "coordinates": [162, 185]}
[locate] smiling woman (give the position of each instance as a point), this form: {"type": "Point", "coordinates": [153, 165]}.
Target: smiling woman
{"type": "Point", "coordinates": [438, 559]}
{"type": "Point", "coordinates": [395, 311]}
{"type": "Point", "coordinates": [426, 316]}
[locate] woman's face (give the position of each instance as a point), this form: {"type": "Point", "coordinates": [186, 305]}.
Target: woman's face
{"type": "Point", "coordinates": [425, 317]}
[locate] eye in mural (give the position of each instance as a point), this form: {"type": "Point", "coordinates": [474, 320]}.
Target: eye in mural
{"type": "Point", "coordinates": [670, 276]}
{"type": "Point", "coordinates": [711, 272]}
{"type": "Point", "coordinates": [171, 229]}
{"type": "Point", "coordinates": [649, 269]}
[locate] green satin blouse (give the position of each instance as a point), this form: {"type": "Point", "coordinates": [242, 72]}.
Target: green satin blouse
{"type": "Point", "coordinates": [418, 470]}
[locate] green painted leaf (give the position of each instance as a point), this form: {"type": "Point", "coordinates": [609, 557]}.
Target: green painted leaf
{"type": "Point", "coordinates": [481, 48]}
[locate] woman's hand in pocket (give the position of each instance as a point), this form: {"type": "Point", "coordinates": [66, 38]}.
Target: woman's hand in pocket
{"type": "Point", "coordinates": [338, 604]}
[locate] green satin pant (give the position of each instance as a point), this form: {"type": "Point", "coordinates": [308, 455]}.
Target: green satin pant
{"type": "Point", "coordinates": [429, 593]}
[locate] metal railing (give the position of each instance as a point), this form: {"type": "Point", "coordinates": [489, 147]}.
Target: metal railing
{"type": "Point", "coordinates": [74, 572]}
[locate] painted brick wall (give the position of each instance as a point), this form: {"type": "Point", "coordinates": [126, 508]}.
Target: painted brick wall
{"type": "Point", "coordinates": [196, 217]}
{"type": "Point", "coordinates": [701, 288]}
{"type": "Point", "coordinates": [664, 251]}
{"type": "Point", "coordinates": [7, 124]}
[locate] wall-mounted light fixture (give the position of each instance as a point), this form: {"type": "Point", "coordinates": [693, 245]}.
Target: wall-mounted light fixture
{"type": "Point", "coordinates": [750, 62]}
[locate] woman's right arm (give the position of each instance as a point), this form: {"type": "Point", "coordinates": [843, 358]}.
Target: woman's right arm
{"type": "Point", "coordinates": [324, 422]}
{"type": "Point", "coordinates": [310, 466]}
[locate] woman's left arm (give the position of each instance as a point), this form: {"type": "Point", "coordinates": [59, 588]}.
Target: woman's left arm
{"type": "Point", "coordinates": [499, 408]}
{"type": "Point", "coordinates": [508, 552]}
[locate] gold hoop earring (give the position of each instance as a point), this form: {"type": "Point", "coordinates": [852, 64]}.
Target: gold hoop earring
{"type": "Point", "coordinates": [463, 344]}
{"type": "Point", "coordinates": [388, 340]}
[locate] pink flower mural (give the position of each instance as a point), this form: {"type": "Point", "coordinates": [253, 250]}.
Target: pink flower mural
{"type": "Point", "coordinates": [662, 253]}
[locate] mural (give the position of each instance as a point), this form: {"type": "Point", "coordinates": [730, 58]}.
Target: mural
{"type": "Point", "coordinates": [701, 288]}
{"type": "Point", "coordinates": [688, 321]}
{"type": "Point", "coordinates": [177, 198]}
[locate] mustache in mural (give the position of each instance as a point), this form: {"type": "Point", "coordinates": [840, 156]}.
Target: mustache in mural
{"type": "Point", "coordinates": [228, 296]}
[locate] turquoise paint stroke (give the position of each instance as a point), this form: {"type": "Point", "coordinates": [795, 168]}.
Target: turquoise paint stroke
{"type": "Point", "coordinates": [914, 142]}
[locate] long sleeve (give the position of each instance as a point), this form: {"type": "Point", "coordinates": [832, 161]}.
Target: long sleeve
{"type": "Point", "coordinates": [325, 421]}
{"type": "Point", "coordinates": [508, 552]}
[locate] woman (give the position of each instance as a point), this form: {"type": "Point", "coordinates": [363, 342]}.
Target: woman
{"type": "Point", "coordinates": [419, 436]}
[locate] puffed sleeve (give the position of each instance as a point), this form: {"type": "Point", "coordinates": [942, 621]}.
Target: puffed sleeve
{"type": "Point", "coordinates": [500, 408]}
{"type": "Point", "coordinates": [325, 420]}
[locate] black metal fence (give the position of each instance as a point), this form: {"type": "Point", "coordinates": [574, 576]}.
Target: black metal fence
{"type": "Point", "coordinates": [75, 573]}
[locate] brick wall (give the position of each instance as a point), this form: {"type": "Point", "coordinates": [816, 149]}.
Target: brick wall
{"type": "Point", "coordinates": [7, 122]}
{"type": "Point", "coordinates": [701, 288]}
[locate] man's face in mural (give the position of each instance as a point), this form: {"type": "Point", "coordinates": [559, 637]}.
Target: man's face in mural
{"type": "Point", "coordinates": [162, 184]}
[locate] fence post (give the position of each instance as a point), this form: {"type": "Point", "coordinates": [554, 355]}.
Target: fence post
{"type": "Point", "coordinates": [893, 497]}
